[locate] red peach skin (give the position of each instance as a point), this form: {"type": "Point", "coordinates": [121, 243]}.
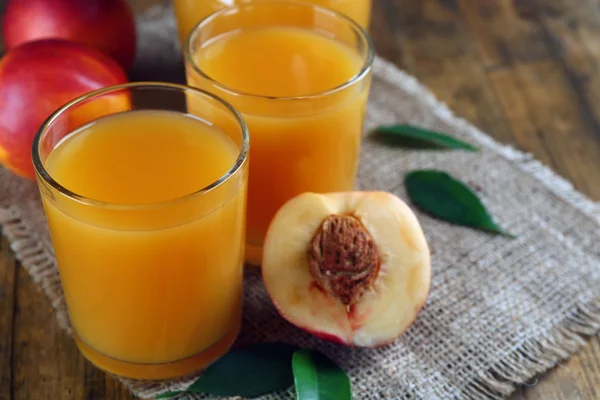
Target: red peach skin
{"type": "Point", "coordinates": [107, 25]}
{"type": "Point", "coordinates": [39, 77]}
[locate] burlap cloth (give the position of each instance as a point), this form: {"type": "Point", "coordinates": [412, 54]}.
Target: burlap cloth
{"type": "Point", "coordinates": [500, 310]}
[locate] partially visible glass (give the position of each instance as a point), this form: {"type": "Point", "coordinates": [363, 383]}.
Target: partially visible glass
{"type": "Point", "coordinates": [300, 143]}
{"type": "Point", "coordinates": [153, 289]}
{"type": "Point", "coordinates": [190, 12]}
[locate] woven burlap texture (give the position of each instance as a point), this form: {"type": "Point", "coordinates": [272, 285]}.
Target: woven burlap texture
{"type": "Point", "coordinates": [500, 311]}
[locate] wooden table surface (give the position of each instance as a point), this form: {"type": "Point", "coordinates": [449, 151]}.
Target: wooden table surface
{"type": "Point", "coordinates": [525, 71]}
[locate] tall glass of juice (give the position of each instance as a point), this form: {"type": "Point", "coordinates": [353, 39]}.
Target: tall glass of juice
{"type": "Point", "coordinates": [145, 200]}
{"type": "Point", "coordinates": [190, 12]}
{"type": "Point", "coordinates": [300, 76]}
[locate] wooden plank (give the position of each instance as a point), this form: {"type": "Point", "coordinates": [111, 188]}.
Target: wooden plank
{"type": "Point", "coordinates": [95, 383]}
{"type": "Point", "coordinates": [536, 83]}
{"type": "Point", "coordinates": [501, 49]}
{"type": "Point", "coordinates": [571, 30]}
{"type": "Point", "coordinates": [98, 385]}
{"type": "Point", "coordinates": [46, 362]}
{"type": "Point", "coordinates": [547, 119]}
{"type": "Point", "coordinates": [431, 41]}
{"type": "Point", "coordinates": [7, 304]}
{"type": "Point", "coordinates": [506, 32]}
{"type": "Point", "coordinates": [116, 391]}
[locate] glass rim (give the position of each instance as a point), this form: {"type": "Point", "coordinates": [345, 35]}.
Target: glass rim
{"type": "Point", "coordinates": [47, 178]}
{"type": "Point", "coordinates": [363, 72]}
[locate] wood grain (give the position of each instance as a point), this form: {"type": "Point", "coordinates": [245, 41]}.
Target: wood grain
{"type": "Point", "coordinates": [46, 364]}
{"type": "Point", "coordinates": [7, 310]}
{"type": "Point", "coordinates": [524, 71]}
{"type": "Point", "coordinates": [537, 89]}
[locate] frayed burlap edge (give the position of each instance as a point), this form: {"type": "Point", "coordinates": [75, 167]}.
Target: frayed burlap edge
{"type": "Point", "coordinates": [537, 356]}
{"type": "Point", "coordinates": [500, 380]}
{"type": "Point", "coordinates": [40, 265]}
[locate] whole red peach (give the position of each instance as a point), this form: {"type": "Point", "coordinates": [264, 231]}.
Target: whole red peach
{"type": "Point", "coordinates": [38, 77]}
{"type": "Point", "coordinates": [105, 24]}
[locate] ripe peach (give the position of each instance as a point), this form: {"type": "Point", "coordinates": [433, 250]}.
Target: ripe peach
{"type": "Point", "coordinates": [352, 268]}
{"type": "Point", "coordinates": [38, 77]}
{"type": "Point", "coordinates": [105, 24]}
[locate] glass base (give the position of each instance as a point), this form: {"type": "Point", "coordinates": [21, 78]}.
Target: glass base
{"type": "Point", "coordinates": [175, 369]}
{"type": "Point", "coordinates": [253, 255]}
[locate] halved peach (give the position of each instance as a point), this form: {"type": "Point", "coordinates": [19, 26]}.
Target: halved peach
{"type": "Point", "coordinates": [352, 267]}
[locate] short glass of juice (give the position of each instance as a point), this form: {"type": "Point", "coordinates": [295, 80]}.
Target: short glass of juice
{"type": "Point", "coordinates": [300, 75]}
{"type": "Point", "coordinates": [146, 202]}
{"type": "Point", "coordinates": [190, 12]}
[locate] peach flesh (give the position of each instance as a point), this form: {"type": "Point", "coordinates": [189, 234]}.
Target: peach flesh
{"type": "Point", "coordinates": [387, 307]}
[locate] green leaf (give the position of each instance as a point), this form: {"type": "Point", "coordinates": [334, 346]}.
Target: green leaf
{"type": "Point", "coordinates": [442, 196]}
{"type": "Point", "coordinates": [318, 378]}
{"type": "Point", "coordinates": [415, 137]}
{"type": "Point", "coordinates": [248, 371]}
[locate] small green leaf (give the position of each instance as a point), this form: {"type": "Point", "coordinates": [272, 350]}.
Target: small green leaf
{"type": "Point", "coordinates": [318, 378]}
{"type": "Point", "coordinates": [415, 137]}
{"type": "Point", "coordinates": [248, 371]}
{"type": "Point", "coordinates": [442, 196]}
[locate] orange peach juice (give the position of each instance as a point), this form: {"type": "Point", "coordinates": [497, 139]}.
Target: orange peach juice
{"type": "Point", "coordinates": [152, 271]}
{"type": "Point", "coordinates": [303, 95]}
{"type": "Point", "coordinates": [190, 12]}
